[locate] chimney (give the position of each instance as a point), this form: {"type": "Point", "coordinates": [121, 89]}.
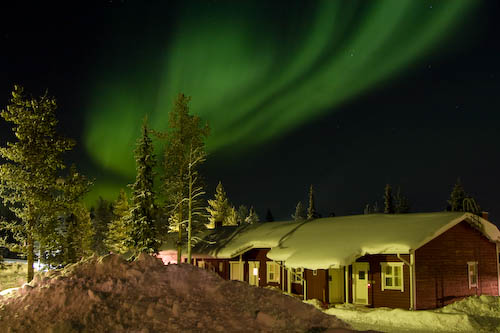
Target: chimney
{"type": "Point", "coordinates": [484, 215]}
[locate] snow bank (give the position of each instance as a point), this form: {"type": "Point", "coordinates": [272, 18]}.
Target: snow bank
{"type": "Point", "coordinates": [108, 294]}
{"type": "Point", "coordinates": [472, 314]}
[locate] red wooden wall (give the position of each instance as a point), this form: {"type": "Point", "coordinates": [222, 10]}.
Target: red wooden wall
{"type": "Point", "coordinates": [441, 267]}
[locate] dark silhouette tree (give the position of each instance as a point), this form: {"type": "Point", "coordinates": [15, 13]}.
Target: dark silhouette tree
{"type": "Point", "coordinates": [457, 196]}
{"type": "Point", "coordinates": [269, 216]}
{"type": "Point", "coordinates": [311, 210]}
{"type": "Point", "coordinates": [401, 203]}
{"type": "Point", "coordinates": [388, 200]}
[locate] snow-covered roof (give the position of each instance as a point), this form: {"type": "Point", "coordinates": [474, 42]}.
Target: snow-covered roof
{"type": "Point", "coordinates": [329, 242]}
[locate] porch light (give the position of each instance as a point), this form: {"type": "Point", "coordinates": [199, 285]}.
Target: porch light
{"type": "Point", "coordinates": [255, 271]}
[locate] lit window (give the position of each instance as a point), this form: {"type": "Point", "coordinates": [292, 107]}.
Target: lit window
{"type": "Point", "coordinates": [236, 270]}
{"type": "Point", "coordinates": [273, 271]}
{"type": "Point", "coordinates": [472, 273]}
{"type": "Point", "coordinates": [392, 275]}
{"type": "Point", "coordinates": [201, 264]}
{"type": "Point", "coordinates": [315, 272]}
{"type": "Point", "coordinates": [221, 267]}
{"type": "Point", "coordinates": [296, 275]}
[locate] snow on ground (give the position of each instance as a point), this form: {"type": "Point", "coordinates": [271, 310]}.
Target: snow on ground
{"type": "Point", "coordinates": [472, 314]}
{"type": "Point", "coordinates": [108, 294]}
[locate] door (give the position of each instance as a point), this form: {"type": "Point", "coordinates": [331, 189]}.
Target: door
{"type": "Point", "coordinates": [236, 270]}
{"type": "Point", "coordinates": [336, 285]}
{"type": "Point", "coordinates": [253, 273]}
{"type": "Point", "coordinates": [360, 282]}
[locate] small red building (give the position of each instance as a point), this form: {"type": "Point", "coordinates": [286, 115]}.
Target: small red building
{"type": "Point", "coordinates": [409, 261]}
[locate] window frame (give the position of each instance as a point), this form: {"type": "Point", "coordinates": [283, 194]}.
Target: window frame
{"type": "Point", "coordinates": [297, 275]}
{"type": "Point", "coordinates": [471, 273]}
{"type": "Point", "coordinates": [384, 275]}
{"type": "Point", "coordinates": [277, 272]}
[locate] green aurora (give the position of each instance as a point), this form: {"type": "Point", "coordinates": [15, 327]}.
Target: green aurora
{"type": "Point", "coordinates": [253, 73]}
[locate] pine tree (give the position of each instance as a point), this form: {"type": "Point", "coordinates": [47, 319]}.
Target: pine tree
{"type": "Point", "coordinates": [28, 178]}
{"type": "Point", "coordinates": [252, 217]}
{"type": "Point", "coordinates": [457, 197]}
{"type": "Point", "coordinates": [311, 210]}
{"type": "Point", "coordinates": [218, 209]}
{"type": "Point", "coordinates": [241, 214]}
{"type": "Point", "coordinates": [388, 200]}
{"type": "Point", "coordinates": [143, 236]}
{"type": "Point", "coordinates": [118, 230]}
{"type": "Point", "coordinates": [300, 213]}
{"type": "Point", "coordinates": [269, 216]}
{"type": "Point", "coordinates": [184, 133]}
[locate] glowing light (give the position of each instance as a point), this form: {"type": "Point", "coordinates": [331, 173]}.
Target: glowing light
{"type": "Point", "coordinates": [254, 80]}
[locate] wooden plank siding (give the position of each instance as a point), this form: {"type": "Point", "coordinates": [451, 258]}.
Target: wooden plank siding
{"type": "Point", "coordinates": [385, 298]}
{"type": "Point", "coordinates": [441, 267]}
{"type": "Point", "coordinates": [317, 285]}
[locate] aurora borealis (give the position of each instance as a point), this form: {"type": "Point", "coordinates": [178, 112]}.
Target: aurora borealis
{"type": "Point", "coordinates": [253, 79]}
{"type": "Point", "coordinates": [346, 95]}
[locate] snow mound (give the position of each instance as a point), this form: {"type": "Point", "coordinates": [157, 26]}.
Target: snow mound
{"type": "Point", "coordinates": [483, 310]}
{"type": "Point", "coordinates": [109, 294]}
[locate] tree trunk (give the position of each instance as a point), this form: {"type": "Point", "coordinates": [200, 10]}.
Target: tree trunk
{"type": "Point", "coordinates": [190, 202]}
{"type": "Point", "coordinates": [31, 257]}
{"type": "Point", "coordinates": [179, 241]}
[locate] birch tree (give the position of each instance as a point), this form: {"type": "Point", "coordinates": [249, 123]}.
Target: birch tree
{"type": "Point", "coordinates": [184, 134]}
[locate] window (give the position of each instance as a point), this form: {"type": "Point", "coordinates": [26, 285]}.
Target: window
{"type": "Point", "coordinates": [392, 275]}
{"type": "Point", "coordinates": [236, 270]}
{"type": "Point", "coordinates": [221, 267]}
{"type": "Point", "coordinates": [296, 275]}
{"type": "Point", "coordinates": [201, 264]}
{"type": "Point", "coordinates": [273, 272]}
{"type": "Point", "coordinates": [315, 272]}
{"type": "Point", "coordinates": [472, 273]}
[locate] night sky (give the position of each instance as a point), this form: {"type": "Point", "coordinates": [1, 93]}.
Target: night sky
{"type": "Point", "coordinates": [344, 95]}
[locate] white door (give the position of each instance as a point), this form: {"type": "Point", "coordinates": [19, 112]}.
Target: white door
{"type": "Point", "coordinates": [360, 282]}
{"type": "Point", "coordinates": [253, 273]}
{"type": "Point", "coordinates": [336, 285]}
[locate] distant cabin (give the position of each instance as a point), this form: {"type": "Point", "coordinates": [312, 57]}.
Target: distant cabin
{"type": "Point", "coordinates": [408, 261]}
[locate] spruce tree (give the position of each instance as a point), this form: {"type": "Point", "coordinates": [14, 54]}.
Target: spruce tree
{"type": "Point", "coordinates": [184, 133]}
{"type": "Point", "coordinates": [28, 178]}
{"type": "Point", "coordinates": [218, 209]}
{"type": "Point", "coordinates": [252, 217]}
{"type": "Point", "coordinates": [300, 213]}
{"type": "Point", "coordinates": [311, 210]}
{"type": "Point", "coordinates": [269, 216]}
{"type": "Point", "coordinates": [457, 197]}
{"type": "Point", "coordinates": [388, 200]}
{"type": "Point", "coordinates": [118, 229]}
{"type": "Point", "coordinates": [143, 236]}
